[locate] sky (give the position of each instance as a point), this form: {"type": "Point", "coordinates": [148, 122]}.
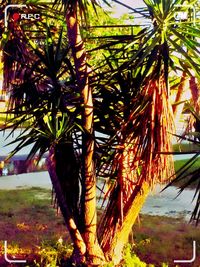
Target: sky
{"type": "Point", "coordinates": [132, 3]}
{"type": "Point", "coordinates": [119, 10]}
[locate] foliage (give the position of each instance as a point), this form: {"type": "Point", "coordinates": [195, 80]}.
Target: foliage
{"type": "Point", "coordinates": [42, 97]}
{"type": "Point", "coordinates": [137, 64]}
{"type": "Point", "coordinates": [188, 174]}
{"type": "Point", "coordinates": [140, 129]}
{"type": "Point", "coordinates": [132, 113]}
{"type": "Point", "coordinates": [134, 66]}
{"type": "Point", "coordinates": [52, 255]}
{"type": "Point", "coordinates": [144, 67]}
{"type": "Point", "coordinates": [104, 32]}
{"type": "Point", "coordinates": [130, 259]}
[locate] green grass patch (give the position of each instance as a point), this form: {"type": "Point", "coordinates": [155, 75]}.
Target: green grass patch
{"type": "Point", "coordinates": [178, 165]}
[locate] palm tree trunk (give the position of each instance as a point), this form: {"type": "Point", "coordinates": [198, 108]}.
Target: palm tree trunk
{"type": "Point", "coordinates": [113, 247]}
{"type": "Point", "coordinates": [94, 253]}
{"type": "Point", "coordinates": [79, 244]}
{"type": "Point", "coordinates": [126, 201]}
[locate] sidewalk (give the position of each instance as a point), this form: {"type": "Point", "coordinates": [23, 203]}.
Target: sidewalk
{"type": "Point", "coordinates": [25, 180]}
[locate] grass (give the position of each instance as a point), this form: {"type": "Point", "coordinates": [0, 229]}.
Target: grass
{"type": "Point", "coordinates": [163, 239]}
{"type": "Point", "coordinates": [186, 147]}
{"type": "Point", "coordinates": [28, 220]}
{"type": "Point", "coordinates": [34, 232]}
{"type": "Point", "coordinates": [178, 164]}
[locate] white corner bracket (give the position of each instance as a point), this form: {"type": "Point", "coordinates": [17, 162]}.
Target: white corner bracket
{"type": "Point", "coordinates": [193, 256]}
{"type": "Point", "coordinates": [6, 13]}
{"type": "Point", "coordinates": [6, 255]}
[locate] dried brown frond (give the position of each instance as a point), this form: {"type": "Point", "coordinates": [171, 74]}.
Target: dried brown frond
{"type": "Point", "coordinates": [138, 160]}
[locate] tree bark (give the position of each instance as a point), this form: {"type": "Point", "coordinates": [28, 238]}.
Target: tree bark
{"type": "Point", "coordinates": [113, 242]}
{"type": "Point", "coordinates": [121, 237]}
{"type": "Point", "coordinates": [79, 244]}
{"type": "Point", "coordinates": [94, 253]}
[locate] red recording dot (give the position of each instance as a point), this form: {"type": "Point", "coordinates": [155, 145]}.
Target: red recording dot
{"type": "Point", "coordinates": [16, 16]}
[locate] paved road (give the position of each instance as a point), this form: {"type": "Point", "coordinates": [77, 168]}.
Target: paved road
{"type": "Point", "coordinates": [157, 203]}
{"type": "Point", "coordinates": [38, 179]}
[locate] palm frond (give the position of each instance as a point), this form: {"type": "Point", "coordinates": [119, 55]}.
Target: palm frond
{"type": "Point", "coordinates": [186, 175]}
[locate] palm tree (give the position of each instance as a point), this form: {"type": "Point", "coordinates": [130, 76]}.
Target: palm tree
{"type": "Point", "coordinates": [42, 98]}
{"type": "Point", "coordinates": [74, 10]}
{"type": "Point", "coordinates": [145, 113]}
{"type": "Point", "coordinates": [131, 108]}
{"type": "Point", "coordinates": [80, 216]}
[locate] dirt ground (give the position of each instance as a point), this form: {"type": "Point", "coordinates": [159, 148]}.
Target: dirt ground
{"type": "Point", "coordinates": [30, 225]}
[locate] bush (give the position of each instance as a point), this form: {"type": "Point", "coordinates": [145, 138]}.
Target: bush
{"type": "Point", "coordinates": [131, 260]}
{"type": "Point", "coordinates": [51, 255]}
